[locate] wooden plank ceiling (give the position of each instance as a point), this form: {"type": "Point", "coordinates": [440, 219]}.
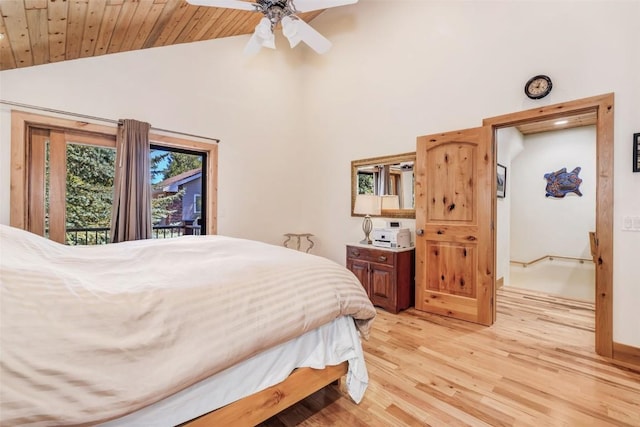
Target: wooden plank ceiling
{"type": "Point", "coordinates": [36, 32]}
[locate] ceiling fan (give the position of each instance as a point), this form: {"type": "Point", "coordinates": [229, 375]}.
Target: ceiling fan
{"type": "Point", "coordinates": [280, 12]}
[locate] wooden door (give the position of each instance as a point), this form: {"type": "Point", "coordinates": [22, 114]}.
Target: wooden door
{"type": "Point", "coordinates": [48, 151]}
{"type": "Point", "coordinates": [47, 178]}
{"type": "Point", "coordinates": [455, 238]}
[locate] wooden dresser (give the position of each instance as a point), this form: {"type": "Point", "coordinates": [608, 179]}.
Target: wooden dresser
{"type": "Point", "coordinates": [387, 274]}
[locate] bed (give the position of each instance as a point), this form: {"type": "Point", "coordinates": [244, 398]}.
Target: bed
{"type": "Point", "coordinates": [162, 332]}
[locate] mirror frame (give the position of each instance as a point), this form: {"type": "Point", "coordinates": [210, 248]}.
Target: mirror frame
{"type": "Point", "coordinates": [398, 158]}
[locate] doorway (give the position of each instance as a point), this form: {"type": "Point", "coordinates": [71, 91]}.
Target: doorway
{"type": "Point", "coordinates": [179, 191]}
{"type": "Point", "coordinates": [602, 107]}
{"type": "Point", "coordinates": [543, 236]}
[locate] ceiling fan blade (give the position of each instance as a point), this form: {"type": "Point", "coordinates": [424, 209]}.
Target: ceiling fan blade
{"type": "Point", "coordinates": [309, 5]}
{"type": "Point", "coordinates": [311, 37]}
{"type": "Point", "coordinates": [253, 46]}
{"type": "Point", "coordinates": [229, 4]}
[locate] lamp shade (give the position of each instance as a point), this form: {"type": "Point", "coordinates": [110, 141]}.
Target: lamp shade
{"type": "Point", "coordinates": [290, 30]}
{"type": "Point", "coordinates": [367, 204]}
{"type": "Point", "coordinates": [264, 34]}
{"type": "Point", "coordinates": [390, 202]}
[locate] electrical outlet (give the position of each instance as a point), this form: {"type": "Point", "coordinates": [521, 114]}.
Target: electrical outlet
{"type": "Point", "coordinates": [627, 223]}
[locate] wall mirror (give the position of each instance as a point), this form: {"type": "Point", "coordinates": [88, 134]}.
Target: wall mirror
{"type": "Point", "coordinates": [388, 176]}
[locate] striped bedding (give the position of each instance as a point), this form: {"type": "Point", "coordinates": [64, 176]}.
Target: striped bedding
{"type": "Point", "coordinates": [88, 334]}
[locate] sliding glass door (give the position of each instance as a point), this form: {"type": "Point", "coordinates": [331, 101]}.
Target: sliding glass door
{"type": "Point", "coordinates": [178, 178]}
{"type": "Point", "coordinates": [71, 186]}
{"type": "Point", "coordinates": [62, 178]}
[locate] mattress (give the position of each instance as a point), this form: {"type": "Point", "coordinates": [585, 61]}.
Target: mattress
{"type": "Point", "coordinates": [328, 345]}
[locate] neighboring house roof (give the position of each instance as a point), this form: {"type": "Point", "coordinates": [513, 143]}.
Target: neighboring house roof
{"type": "Point", "coordinates": [172, 184]}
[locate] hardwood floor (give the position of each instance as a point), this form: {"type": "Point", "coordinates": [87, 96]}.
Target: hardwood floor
{"type": "Point", "coordinates": [536, 366]}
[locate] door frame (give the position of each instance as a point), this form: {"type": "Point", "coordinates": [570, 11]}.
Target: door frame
{"type": "Point", "coordinates": [602, 105]}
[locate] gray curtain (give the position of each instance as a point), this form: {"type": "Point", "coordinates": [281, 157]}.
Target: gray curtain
{"type": "Point", "coordinates": [383, 180]}
{"type": "Point", "coordinates": [131, 215]}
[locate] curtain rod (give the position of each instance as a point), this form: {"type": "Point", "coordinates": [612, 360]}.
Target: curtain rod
{"type": "Point", "coordinates": [84, 116]}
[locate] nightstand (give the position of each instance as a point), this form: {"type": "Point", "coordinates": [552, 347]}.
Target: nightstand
{"type": "Point", "coordinates": [387, 274]}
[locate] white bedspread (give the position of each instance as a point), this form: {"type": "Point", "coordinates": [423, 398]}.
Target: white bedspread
{"type": "Point", "coordinates": [88, 334]}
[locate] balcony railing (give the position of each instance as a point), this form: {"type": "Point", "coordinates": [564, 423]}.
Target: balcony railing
{"type": "Point", "coordinates": [88, 236]}
{"type": "Point", "coordinates": [101, 235]}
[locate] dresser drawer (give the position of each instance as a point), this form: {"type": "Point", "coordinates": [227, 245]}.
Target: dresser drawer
{"type": "Point", "coordinates": [370, 255]}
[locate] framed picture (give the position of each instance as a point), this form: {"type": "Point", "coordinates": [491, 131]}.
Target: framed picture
{"type": "Point", "coordinates": [501, 175]}
{"type": "Point", "coordinates": [636, 152]}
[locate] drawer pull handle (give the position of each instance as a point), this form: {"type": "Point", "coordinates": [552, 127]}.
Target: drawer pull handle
{"type": "Point", "coordinates": [382, 258]}
{"type": "Point", "coordinates": [355, 253]}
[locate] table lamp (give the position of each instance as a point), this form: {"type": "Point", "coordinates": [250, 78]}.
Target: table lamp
{"type": "Point", "coordinates": [367, 205]}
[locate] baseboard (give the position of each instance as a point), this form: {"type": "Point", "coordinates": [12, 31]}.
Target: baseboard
{"type": "Point", "coordinates": [500, 283]}
{"type": "Point", "coordinates": [626, 354]}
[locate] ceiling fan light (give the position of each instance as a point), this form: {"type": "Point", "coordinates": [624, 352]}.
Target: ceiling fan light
{"type": "Point", "coordinates": [264, 34]}
{"type": "Point", "coordinates": [290, 30]}
{"type": "Point", "coordinates": [270, 42]}
{"type": "Point", "coordinates": [263, 29]}
{"type": "Point", "coordinates": [289, 26]}
{"type": "Point", "coordinates": [294, 40]}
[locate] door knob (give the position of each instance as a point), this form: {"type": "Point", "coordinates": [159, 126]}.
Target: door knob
{"type": "Point", "coordinates": [419, 231]}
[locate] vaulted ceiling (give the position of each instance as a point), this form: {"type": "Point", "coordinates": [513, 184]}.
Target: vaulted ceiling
{"type": "Point", "coordinates": [36, 32]}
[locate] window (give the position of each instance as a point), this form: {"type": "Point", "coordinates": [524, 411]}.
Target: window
{"type": "Point", "coordinates": [88, 191]}
{"type": "Point", "coordinates": [177, 177]}
{"type": "Point", "coordinates": [365, 182]}
{"type": "Point", "coordinates": [197, 203]}
{"type": "Point", "coordinates": [62, 178]}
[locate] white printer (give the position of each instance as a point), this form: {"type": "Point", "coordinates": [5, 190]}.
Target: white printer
{"type": "Point", "coordinates": [391, 237]}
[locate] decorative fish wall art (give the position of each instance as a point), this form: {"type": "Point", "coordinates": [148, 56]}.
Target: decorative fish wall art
{"type": "Point", "coordinates": [561, 182]}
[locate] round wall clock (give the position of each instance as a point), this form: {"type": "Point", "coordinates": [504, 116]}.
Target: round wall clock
{"type": "Point", "coordinates": [538, 87]}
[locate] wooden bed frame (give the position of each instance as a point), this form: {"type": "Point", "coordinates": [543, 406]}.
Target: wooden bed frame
{"type": "Point", "coordinates": [264, 404]}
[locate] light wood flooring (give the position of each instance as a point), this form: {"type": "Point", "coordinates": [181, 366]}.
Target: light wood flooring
{"type": "Point", "coordinates": [534, 367]}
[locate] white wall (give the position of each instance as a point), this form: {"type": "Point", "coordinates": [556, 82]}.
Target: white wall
{"type": "Point", "coordinates": [206, 88]}
{"type": "Point", "coordinates": [547, 225]}
{"type": "Point", "coordinates": [509, 143]}
{"type": "Point", "coordinates": [397, 70]}
{"type": "Point", "coordinates": [407, 68]}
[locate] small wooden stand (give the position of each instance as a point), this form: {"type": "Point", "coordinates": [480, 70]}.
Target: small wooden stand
{"type": "Point", "coordinates": [297, 237]}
